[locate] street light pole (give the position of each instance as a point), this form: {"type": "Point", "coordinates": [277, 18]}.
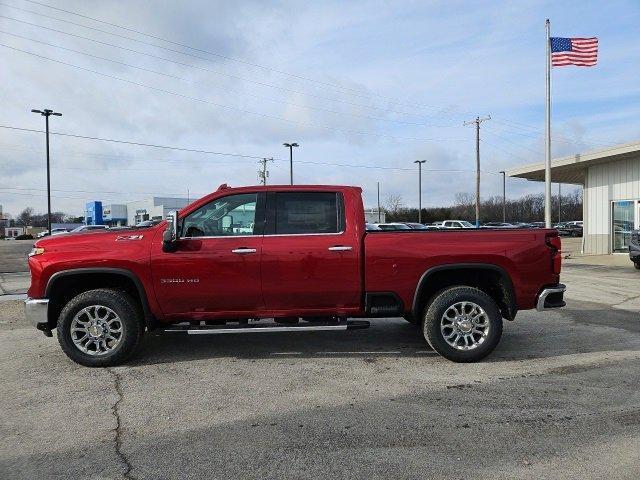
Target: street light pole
{"type": "Point", "coordinates": [504, 196]}
{"type": "Point", "coordinates": [46, 113]}
{"type": "Point", "coordinates": [420, 162]}
{"type": "Point", "coordinates": [379, 214]}
{"type": "Point", "coordinates": [290, 147]}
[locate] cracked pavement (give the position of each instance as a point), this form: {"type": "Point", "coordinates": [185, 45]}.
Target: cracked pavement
{"type": "Point", "coordinates": [558, 399]}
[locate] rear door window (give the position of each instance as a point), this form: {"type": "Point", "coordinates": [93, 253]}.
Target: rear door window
{"type": "Point", "coordinates": [307, 213]}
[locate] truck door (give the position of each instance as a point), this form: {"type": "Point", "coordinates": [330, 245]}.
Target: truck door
{"type": "Point", "coordinates": [216, 265]}
{"type": "Point", "coordinates": [310, 254]}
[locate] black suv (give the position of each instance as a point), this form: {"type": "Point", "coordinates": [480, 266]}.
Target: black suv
{"type": "Point", "coordinates": [634, 248]}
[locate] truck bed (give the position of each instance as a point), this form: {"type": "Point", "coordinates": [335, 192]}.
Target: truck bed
{"type": "Point", "coordinates": [398, 259]}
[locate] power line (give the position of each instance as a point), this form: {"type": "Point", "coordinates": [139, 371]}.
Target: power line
{"type": "Point", "coordinates": [216, 72]}
{"type": "Point", "coordinates": [127, 142]}
{"type": "Point", "coordinates": [241, 110]}
{"type": "Point", "coordinates": [280, 102]}
{"type": "Point", "coordinates": [209, 152]}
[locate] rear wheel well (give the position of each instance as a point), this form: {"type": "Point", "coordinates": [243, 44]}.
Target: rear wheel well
{"type": "Point", "coordinates": [66, 287]}
{"type": "Point", "coordinates": [493, 282]}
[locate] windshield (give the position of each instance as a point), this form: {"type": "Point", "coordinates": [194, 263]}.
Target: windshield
{"type": "Point", "coordinates": [466, 224]}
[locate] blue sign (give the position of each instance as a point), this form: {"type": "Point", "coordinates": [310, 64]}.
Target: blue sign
{"type": "Point", "coordinates": [93, 213]}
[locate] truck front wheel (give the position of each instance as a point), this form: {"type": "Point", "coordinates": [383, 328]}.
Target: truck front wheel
{"type": "Point", "coordinates": [463, 324]}
{"type": "Point", "coordinates": [100, 328]}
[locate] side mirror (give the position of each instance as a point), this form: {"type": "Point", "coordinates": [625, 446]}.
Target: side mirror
{"type": "Point", "coordinates": [170, 234]}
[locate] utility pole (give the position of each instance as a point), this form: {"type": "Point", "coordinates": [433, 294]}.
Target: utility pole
{"type": "Point", "coordinates": [477, 123]}
{"type": "Point", "coordinates": [504, 196]}
{"type": "Point", "coordinates": [290, 147]}
{"type": "Point", "coordinates": [379, 214]}
{"type": "Point", "coordinates": [420, 162]}
{"type": "Point", "coordinates": [263, 173]}
{"type": "Point", "coordinates": [46, 113]}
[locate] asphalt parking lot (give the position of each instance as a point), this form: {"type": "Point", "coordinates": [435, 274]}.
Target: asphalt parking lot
{"type": "Point", "coordinates": [559, 398]}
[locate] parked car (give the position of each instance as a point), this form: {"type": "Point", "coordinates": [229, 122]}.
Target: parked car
{"type": "Point", "coordinates": [457, 224]}
{"type": "Point", "coordinates": [88, 228]}
{"type": "Point", "coordinates": [54, 231]}
{"type": "Point", "coordinates": [371, 227]}
{"type": "Point", "coordinates": [524, 225]}
{"type": "Point", "coordinates": [497, 225]}
{"type": "Point", "coordinates": [416, 226]}
{"type": "Point", "coordinates": [308, 255]}
{"type": "Point", "coordinates": [569, 229]}
{"type": "Point", "coordinates": [393, 226]}
{"type": "Point", "coordinates": [148, 223]}
{"type": "Point", "coordinates": [634, 248]}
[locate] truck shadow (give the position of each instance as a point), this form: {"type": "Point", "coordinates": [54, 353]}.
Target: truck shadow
{"type": "Point", "coordinates": [572, 331]}
{"type": "Point", "coordinates": [391, 338]}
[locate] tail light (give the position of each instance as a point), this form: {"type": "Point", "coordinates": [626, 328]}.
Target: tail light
{"type": "Point", "coordinates": [555, 245]}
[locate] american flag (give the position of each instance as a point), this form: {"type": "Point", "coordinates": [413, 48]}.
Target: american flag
{"type": "Point", "coordinates": [582, 52]}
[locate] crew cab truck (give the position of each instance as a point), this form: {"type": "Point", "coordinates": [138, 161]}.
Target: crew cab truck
{"type": "Point", "coordinates": [286, 258]}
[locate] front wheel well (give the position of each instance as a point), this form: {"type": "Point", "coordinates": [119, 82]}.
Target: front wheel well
{"type": "Point", "coordinates": [493, 281]}
{"type": "Point", "coordinates": [63, 288]}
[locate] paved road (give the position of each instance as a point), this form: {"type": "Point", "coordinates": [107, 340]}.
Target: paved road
{"type": "Point", "coordinates": [558, 399]}
{"type": "Point", "coordinates": [13, 255]}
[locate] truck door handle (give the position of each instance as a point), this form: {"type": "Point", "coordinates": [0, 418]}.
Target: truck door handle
{"type": "Point", "coordinates": [243, 250]}
{"type": "Point", "coordinates": [340, 248]}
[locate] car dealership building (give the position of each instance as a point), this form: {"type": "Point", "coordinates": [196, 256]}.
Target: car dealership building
{"type": "Point", "coordinates": [131, 213]}
{"type": "Point", "coordinates": [610, 179]}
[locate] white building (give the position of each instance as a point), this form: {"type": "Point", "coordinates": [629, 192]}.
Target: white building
{"type": "Point", "coordinates": [371, 216]}
{"type": "Point", "coordinates": [154, 208]}
{"type": "Point", "coordinates": [611, 191]}
{"type": "Point", "coordinates": [114, 214]}
{"type": "Point", "coordinates": [12, 232]}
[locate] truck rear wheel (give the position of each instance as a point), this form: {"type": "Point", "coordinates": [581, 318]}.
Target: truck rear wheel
{"type": "Point", "coordinates": [463, 324]}
{"type": "Point", "coordinates": [100, 328]}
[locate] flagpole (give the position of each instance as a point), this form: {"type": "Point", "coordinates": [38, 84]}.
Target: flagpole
{"type": "Point", "coordinates": [547, 134]}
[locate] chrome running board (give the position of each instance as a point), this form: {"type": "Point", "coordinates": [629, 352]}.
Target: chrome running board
{"type": "Point", "coordinates": [268, 327]}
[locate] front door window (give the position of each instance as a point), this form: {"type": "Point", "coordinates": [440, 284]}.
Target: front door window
{"type": "Point", "coordinates": [229, 216]}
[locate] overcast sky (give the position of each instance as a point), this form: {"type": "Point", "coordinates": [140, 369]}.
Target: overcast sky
{"type": "Point", "coordinates": [364, 87]}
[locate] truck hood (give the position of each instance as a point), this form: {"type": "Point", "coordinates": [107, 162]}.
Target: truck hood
{"type": "Point", "coordinates": [98, 240]}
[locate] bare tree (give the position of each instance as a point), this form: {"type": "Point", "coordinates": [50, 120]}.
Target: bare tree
{"type": "Point", "coordinates": [394, 203]}
{"type": "Point", "coordinates": [25, 216]}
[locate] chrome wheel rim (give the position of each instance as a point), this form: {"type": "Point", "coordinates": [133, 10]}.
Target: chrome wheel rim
{"type": "Point", "coordinates": [465, 325]}
{"type": "Point", "coordinates": [96, 330]}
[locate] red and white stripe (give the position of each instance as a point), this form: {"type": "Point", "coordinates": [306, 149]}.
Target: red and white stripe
{"type": "Point", "coordinates": [584, 53]}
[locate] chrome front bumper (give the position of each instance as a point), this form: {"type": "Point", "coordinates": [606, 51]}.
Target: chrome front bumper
{"type": "Point", "coordinates": [551, 297]}
{"type": "Point", "coordinates": [36, 311]}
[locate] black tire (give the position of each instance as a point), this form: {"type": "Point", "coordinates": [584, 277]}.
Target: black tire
{"type": "Point", "coordinates": [124, 307]}
{"type": "Point", "coordinates": [636, 265]}
{"type": "Point", "coordinates": [433, 334]}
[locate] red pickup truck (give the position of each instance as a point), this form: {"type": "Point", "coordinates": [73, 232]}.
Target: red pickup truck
{"type": "Point", "coordinates": [285, 258]}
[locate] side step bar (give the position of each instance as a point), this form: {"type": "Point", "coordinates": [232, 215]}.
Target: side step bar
{"type": "Point", "coordinates": [268, 327]}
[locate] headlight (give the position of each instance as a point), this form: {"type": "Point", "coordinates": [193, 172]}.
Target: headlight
{"type": "Point", "coordinates": [36, 251]}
